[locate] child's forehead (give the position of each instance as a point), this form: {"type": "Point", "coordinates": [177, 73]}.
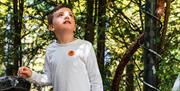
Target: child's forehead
{"type": "Point", "coordinates": [64, 9]}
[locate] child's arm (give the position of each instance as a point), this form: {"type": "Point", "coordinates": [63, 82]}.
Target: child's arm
{"type": "Point", "coordinates": [93, 70]}
{"type": "Point", "coordinates": [32, 76]}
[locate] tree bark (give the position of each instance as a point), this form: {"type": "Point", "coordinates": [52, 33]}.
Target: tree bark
{"type": "Point", "coordinates": [130, 76]}
{"type": "Point", "coordinates": [151, 36]}
{"type": "Point", "coordinates": [101, 34]}
{"type": "Point", "coordinates": [18, 14]}
{"type": "Point", "coordinates": [89, 31]}
{"type": "Point", "coordinates": [164, 30]}
{"type": "Point", "coordinates": [161, 46]}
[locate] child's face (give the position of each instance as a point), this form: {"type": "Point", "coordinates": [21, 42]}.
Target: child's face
{"type": "Point", "coordinates": [63, 21]}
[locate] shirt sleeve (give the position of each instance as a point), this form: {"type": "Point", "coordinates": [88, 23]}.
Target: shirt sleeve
{"type": "Point", "coordinates": [176, 86]}
{"type": "Point", "coordinates": [93, 69]}
{"type": "Point", "coordinates": [41, 79]}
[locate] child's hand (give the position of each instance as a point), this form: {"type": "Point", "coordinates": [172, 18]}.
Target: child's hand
{"type": "Point", "coordinates": [24, 72]}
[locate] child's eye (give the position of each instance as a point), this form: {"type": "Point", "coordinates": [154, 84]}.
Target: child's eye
{"type": "Point", "coordinates": [60, 14]}
{"type": "Point", "coordinates": [71, 15]}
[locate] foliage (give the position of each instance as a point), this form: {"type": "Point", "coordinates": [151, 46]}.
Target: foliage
{"type": "Point", "coordinates": [124, 23]}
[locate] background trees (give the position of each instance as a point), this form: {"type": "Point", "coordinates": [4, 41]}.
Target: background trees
{"type": "Point", "coordinates": [115, 27]}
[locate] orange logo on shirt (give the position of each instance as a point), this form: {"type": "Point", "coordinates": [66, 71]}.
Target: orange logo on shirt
{"type": "Point", "coordinates": [71, 53]}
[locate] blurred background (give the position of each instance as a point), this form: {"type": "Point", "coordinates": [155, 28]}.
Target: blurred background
{"type": "Point", "coordinates": [116, 28]}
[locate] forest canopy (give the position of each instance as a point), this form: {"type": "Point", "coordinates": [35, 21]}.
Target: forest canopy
{"type": "Point", "coordinates": [114, 27]}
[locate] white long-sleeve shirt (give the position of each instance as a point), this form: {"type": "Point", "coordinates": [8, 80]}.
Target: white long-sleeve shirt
{"type": "Point", "coordinates": [70, 67]}
{"type": "Point", "coordinates": [176, 86]}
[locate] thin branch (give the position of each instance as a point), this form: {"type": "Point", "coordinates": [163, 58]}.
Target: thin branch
{"type": "Point", "coordinates": [125, 59]}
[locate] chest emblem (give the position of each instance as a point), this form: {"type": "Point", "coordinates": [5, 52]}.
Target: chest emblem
{"type": "Point", "coordinates": [71, 53]}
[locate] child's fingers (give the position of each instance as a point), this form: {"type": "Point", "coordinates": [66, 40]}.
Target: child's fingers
{"type": "Point", "coordinates": [20, 71]}
{"type": "Point", "coordinates": [24, 72]}
{"type": "Point", "coordinates": [24, 75]}
{"type": "Point", "coordinates": [23, 69]}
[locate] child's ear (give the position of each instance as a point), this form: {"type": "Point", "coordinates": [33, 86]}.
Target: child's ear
{"type": "Point", "coordinates": [51, 27]}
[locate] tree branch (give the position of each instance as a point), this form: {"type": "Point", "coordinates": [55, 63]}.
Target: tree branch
{"type": "Point", "coordinates": [125, 59]}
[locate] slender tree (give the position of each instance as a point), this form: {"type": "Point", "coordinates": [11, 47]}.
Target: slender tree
{"type": "Point", "coordinates": [89, 31]}
{"type": "Point", "coordinates": [130, 76]}
{"type": "Point", "coordinates": [150, 44]}
{"type": "Point", "coordinates": [18, 15]}
{"type": "Point", "coordinates": [101, 34]}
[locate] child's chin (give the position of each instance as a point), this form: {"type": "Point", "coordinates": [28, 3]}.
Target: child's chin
{"type": "Point", "coordinates": [68, 29]}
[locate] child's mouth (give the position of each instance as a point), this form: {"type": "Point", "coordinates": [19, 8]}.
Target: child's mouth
{"type": "Point", "coordinates": [67, 22]}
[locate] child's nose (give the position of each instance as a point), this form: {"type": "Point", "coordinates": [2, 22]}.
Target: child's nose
{"type": "Point", "coordinates": [67, 15]}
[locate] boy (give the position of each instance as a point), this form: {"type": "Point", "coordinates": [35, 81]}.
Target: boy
{"type": "Point", "coordinates": [70, 63]}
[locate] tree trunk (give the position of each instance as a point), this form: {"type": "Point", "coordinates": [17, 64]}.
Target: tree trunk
{"type": "Point", "coordinates": [101, 34]}
{"type": "Point", "coordinates": [161, 47]}
{"type": "Point", "coordinates": [18, 14]}
{"type": "Point", "coordinates": [89, 31]}
{"type": "Point", "coordinates": [150, 43]}
{"type": "Point", "coordinates": [129, 76]}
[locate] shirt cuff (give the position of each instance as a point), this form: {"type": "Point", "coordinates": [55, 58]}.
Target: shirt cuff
{"type": "Point", "coordinates": [32, 77]}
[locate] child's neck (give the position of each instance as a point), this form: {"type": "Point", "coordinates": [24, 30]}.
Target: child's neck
{"type": "Point", "coordinates": [64, 40]}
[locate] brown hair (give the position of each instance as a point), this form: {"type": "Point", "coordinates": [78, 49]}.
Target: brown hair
{"type": "Point", "coordinates": [50, 15]}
